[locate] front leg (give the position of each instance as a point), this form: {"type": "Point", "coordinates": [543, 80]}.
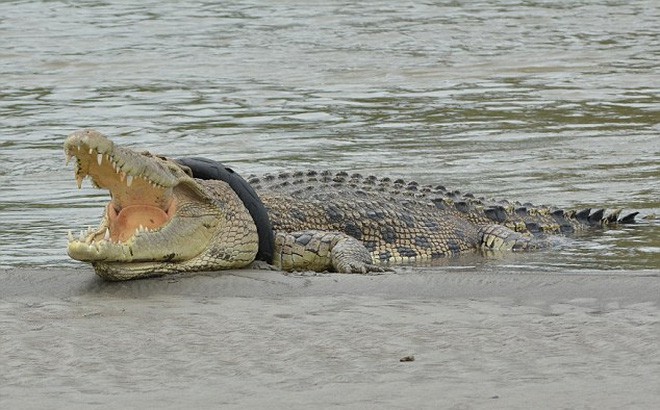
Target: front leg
{"type": "Point", "coordinates": [322, 251]}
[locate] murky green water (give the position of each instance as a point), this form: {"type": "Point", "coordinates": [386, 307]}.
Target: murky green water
{"type": "Point", "coordinates": [548, 102]}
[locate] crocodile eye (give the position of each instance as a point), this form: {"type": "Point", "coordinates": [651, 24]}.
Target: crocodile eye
{"type": "Point", "coordinates": [187, 170]}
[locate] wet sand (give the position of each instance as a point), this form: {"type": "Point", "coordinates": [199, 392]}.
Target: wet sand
{"type": "Point", "coordinates": [255, 339]}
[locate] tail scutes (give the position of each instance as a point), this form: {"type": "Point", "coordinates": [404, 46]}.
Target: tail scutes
{"type": "Point", "coordinates": [628, 219]}
{"type": "Point", "coordinates": [600, 217]}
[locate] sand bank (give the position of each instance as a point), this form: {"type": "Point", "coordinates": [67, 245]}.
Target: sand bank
{"type": "Point", "coordinates": [251, 339]}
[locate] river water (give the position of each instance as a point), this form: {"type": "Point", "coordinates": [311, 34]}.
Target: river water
{"type": "Point", "coordinates": [548, 102]}
{"type": "Point", "coordinates": [551, 102]}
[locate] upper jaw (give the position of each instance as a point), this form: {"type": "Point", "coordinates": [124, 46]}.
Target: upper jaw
{"type": "Point", "coordinates": [92, 149]}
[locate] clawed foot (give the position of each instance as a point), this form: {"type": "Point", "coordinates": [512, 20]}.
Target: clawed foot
{"type": "Point", "coordinates": [360, 267]}
{"type": "Point", "coordinates": [350, 256]}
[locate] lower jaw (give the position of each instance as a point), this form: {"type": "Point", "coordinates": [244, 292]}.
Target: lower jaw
{"type": "Point", "coordinates": [120, 271]}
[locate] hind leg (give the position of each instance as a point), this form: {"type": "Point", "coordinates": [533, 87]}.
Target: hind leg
{"type": "Point", "coordinates": [500, 238]}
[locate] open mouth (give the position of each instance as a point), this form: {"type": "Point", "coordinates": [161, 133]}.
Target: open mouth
{"type": "Point", "coordinates": [142, 201]}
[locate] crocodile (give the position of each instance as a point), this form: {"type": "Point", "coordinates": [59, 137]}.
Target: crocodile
{"type": "Point", "coordinates": [169, 215]}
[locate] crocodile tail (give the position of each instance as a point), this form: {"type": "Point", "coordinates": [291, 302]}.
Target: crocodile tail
{"type": "Point", "coordinates": [597, 218]}
{"type": "Point", "coordinates": [531, 218]}
{"type": "Point", "coordinates": [540, 219]}
{"type": "Point", "coordinates": [600, 218]}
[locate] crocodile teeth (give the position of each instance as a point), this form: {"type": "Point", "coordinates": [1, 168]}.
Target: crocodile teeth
{"type": "Point", "coordinates": [68, 158]}
{"type": "Point", "coordinates": [129, 180]}
{"type": "Point", "coordinates": [70, 235]}
{"type": "Point", "coordinates": [91, 151]}
{"type": "Point", "coordinates": [81, 237]}
{"type": "Point", "coordinates": [122, 176]}
{"type": "Point", "coordinates": [99, 158]}
{"type": "Point", "coordinates": [89, 238]}
{"type": "Point", "coordinates": [106, 237]}
{"type": "Point", "coordinates": [79, 180]}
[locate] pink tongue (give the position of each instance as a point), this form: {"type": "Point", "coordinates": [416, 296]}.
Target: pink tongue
{"type": "Point", "coordinates": [123, 226]}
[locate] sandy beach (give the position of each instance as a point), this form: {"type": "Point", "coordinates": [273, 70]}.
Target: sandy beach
{"type": "Point", "coordinates": [255, 339]}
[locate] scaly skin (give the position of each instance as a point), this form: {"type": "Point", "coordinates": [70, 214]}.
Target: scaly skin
{"type": "Point", "coordinates": [161, 220]}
